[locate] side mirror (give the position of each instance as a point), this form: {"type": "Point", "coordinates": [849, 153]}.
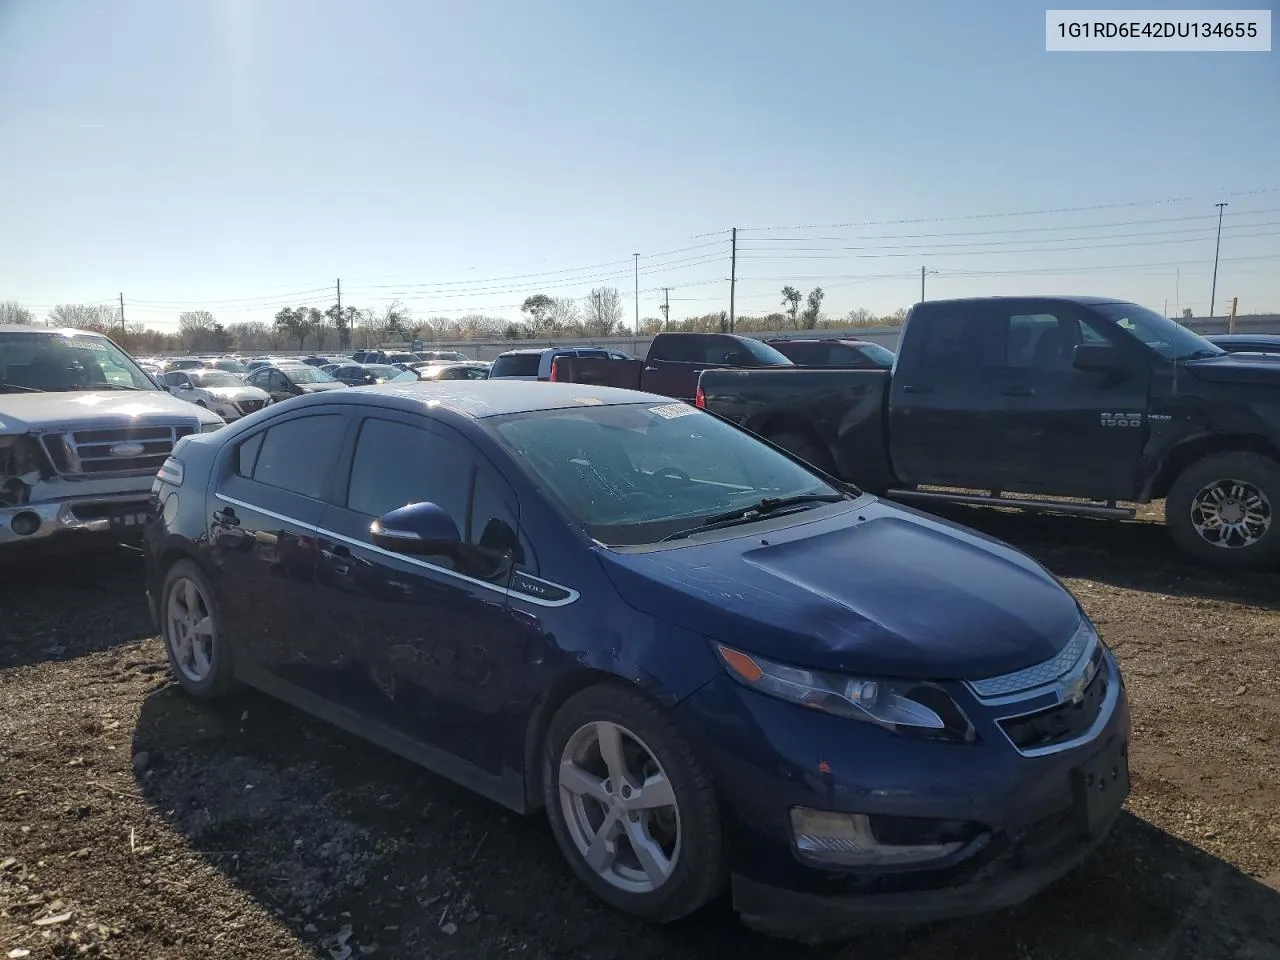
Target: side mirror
{"type": "Point", "coordinates": [184, 386]}
{"type": "Point", "coordinates": [1100, 357]}
{"type": "Point", "coordinates": [418, 528]}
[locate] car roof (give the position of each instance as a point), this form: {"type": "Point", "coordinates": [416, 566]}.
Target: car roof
{"type": "Point", "coordinates": [526, 351]}
{"type": "Point", "coordinates": [478, 399]}
{"type": "Point", "coordinates": [853, 341]}
{"type": "Point", "coordinates": [1056, 298]}
{"type": "Point", "coordinates": [61, 331]}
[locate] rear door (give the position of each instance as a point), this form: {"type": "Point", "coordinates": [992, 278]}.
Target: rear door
{"type": "Point", "coordinates": [267, 498]}
{"type": "Point", "coordinates": [941, 412]}
{"type": "Point", "coordinates": [1065, 431]}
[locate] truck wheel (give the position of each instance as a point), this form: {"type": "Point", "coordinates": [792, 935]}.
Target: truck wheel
{"type": "Point", "coordinates": [804, 447]}
{"type": "Point", "coordinates": [1222, 509]}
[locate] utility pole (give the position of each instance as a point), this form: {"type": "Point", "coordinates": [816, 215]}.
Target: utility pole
{"type": "Point", "coordinates": [666, 308]}
{"type": "Point", "coordinates": [922, 284]}
{"type": "Point", "coordinates": [338, 319]}
{"type": "Point", "coordinates": [733, 273]}
{"type": "Point", "coordinates": [1166, 308]}
{"type": "Point", "coordinates": [1177, 293]}
{"type": "Point", "coordinates": [637, 328]}
{"type": "Point", "coordinates": [1231, 324]}
{"type": "Point", "coordinates": [1213, 293]}
{"type": "Point", "coordinates": [122, 313]}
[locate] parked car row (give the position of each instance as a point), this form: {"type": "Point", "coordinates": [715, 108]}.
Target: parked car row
{"type": "Point", "coordinates": [711, 665]}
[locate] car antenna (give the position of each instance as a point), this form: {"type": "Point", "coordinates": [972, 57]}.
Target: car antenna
{"type": "Point", "coordinates": [1175, 360]}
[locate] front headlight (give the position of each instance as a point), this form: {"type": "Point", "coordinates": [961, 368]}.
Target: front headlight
{"type": "Point", "coordinates": [903, 706]}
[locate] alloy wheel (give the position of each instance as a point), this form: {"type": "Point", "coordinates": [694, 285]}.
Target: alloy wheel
{"type": "Point", "coordinates": [189, 629]}
{"type": "Point", "coordinates": [1231, 513]}
{"type": "Point", "coordinates": [620, 807]}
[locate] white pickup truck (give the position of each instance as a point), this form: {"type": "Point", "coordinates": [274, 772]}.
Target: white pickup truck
{"type": "Point", "coordinates": [82, 433]}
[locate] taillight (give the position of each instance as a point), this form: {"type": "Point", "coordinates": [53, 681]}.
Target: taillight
{"type": "Point", "coordinates": [700, 398]}
{"type": "Point", "coordinates": [555, 369]}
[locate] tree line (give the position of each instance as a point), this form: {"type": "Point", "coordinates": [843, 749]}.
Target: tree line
{"type": "Point", "coordinates": [598, 315]}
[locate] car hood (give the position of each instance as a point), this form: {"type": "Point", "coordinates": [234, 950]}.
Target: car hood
{"type": "Point", "coordinates": [877, 590]}
{"type": "Point", "coordinates": [237, 393]}
{"type": "Point", "coordinates": [320, 387]}
{"type": "Point", "coordinates": [27, 412]}
{"type": "Point", "coordinates": [1259, 368]}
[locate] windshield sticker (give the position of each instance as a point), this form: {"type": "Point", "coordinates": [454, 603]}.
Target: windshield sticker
{"type": "Point", "coordinates": [669, 411]}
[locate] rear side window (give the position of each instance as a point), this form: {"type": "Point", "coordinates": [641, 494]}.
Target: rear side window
{"type": "Point", "coordinates": [951, 338]}
{"type": "Point", "coordinates": [295, 455]}
{"type": "Point", "coordinates": [515, 365]}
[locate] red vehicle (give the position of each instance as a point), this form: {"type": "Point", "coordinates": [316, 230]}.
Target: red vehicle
{"type": "Point", "coordinates": [834, 352]}
{"type": "Point", "coordinates": [672, 365]}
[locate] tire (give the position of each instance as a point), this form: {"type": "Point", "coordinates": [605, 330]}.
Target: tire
{"type": "Point", "coordinates": [1227, 486]}
{"type": "Point", "coordinates": [199, 657]}
{"type": "Point", "coordinates": [805, 447]}
{"type": "Point", "coordinates": [582, 801]}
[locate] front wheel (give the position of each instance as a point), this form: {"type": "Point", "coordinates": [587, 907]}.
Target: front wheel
{"type": "Point", "coordinates": [1221, 509]}
{"type": "Point", "coordinates": [631, 806]}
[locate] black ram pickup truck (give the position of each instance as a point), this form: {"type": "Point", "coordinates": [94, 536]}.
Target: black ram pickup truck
{"type": "Point", "coordinates": [672, 364]}
{"type": "Point", "coordinates": [1004, 400]}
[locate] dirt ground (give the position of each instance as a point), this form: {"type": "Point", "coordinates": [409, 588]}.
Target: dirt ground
{"type": "Point", "coordinates": [137, 824]}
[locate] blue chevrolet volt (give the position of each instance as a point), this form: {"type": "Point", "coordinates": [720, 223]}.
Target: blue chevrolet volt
{"type": "Point", "coordinates": [713, 666]}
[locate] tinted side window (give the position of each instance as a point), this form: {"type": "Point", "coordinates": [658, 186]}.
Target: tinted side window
{"type": "Point", "coordinates": [494, 524]}
{"type": "Point", "coordinates": [805, 354]}
{"type": "Point", "coordinates": [396, 464]}
{"type": "Point", "coordinates": [516, 365]}
{"type": "Point", "coordinates": [247, 454]}
{"type": "Point", "coordinates": [279, 381]}
{"type": "Point", "coordinates": [1036, 340]}
{"type": "Point", "coordinates": [295, 455]}
{"type": "Point", "coordinates": [951, 339]}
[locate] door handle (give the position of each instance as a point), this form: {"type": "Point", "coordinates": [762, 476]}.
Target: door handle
{"type": "Point", "coordinates": [908, 388]}
{"type": "Point", "coordinates": [226, 517]}
{"type": "Point", "coordinates": [650, 369]}
{"type": "Point", "coordinates": [1018, 392]}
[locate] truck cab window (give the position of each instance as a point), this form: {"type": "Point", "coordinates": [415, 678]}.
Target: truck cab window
{"type": "Point", "coordinates": [951, 340]}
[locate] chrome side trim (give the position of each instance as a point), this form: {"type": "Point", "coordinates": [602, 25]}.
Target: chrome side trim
{"type": "Point", "coordinates": [571, 597]}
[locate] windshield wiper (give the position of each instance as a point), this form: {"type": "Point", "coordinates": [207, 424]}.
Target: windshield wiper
{"type": "Point", "coordinates": [106, 386]}
{"type": "Point", "coordinates": [20, 388]}
{"type": "Point", "coordinates": [757, 511]}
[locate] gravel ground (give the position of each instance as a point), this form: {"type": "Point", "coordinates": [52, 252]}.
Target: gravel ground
{"type": "Point", "coordinates": [137, 824]}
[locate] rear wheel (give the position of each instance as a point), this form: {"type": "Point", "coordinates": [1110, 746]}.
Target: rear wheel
{"type": "Point", "coordinates": [189, 622]}
{"type": "Point", "coordinates": [804, 446]}
{"type": "Point", "coordinates": [1221, 509]}
{"type": "Point", "coordinates": [631, 806]}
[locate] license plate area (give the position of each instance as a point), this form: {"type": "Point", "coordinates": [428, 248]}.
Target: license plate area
{"type": "Point", "coordinates": [1099, 786]}
{"type": "Point", "coordinates": [128, 518]}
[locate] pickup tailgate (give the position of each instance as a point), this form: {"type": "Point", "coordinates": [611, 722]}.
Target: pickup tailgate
{"type": "Point", "coordinates": [843, 412]}
{"type": "Point", "coordinates": [598, 371]}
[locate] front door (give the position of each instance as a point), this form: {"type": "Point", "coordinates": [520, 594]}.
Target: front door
{"type": "Point", "coordinates": [267, 499]}
{"type": "Point", "coordinates": [1063, 431]}
{"type": "Point", "coordinates": [427, 645]}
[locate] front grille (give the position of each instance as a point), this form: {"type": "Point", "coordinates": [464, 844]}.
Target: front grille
{"type": "Point", "coordinates": [88, 452]}
{"type": "Point", "coordinates": [1062, 723]}
{"type": "Point", "coordinates": [250, 406]}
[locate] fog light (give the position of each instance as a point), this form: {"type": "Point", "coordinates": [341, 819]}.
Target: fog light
{"type": "Point", "coordinates": [26, 523]}
{"type": "Point", "coordinates": [858, 840]}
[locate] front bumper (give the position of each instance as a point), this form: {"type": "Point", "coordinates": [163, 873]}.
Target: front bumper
{"type": "Point", "coordinates": [811, 917]}
{"type": "Point", "coordinates": [769, 756]}
{"type": "Point", "coordinates": [120, 516]}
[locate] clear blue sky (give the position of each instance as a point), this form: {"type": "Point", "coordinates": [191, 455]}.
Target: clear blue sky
{"type": "Point", "coordinates": [195, 152]}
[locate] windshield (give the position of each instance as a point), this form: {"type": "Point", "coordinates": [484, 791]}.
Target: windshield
{"type": "Point", "coordinates": [234, 366]}
{"type": "Point", "coordinates": [59, 362]}
{"type": "Point", "coordinates": [877, 354]}
{"type": "Point", "coordinates": [382, 370]}
{"type": "Point", "coordinates": [1169, 339]}
{"type": "Point", "coordinates": [764, 354]}
{"type": "Point", "coordinates": [305, 374]}
{"type": "Point", "coordinates": [635, 473]}
{"type": "Point", "coordinates": [215, 378]}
